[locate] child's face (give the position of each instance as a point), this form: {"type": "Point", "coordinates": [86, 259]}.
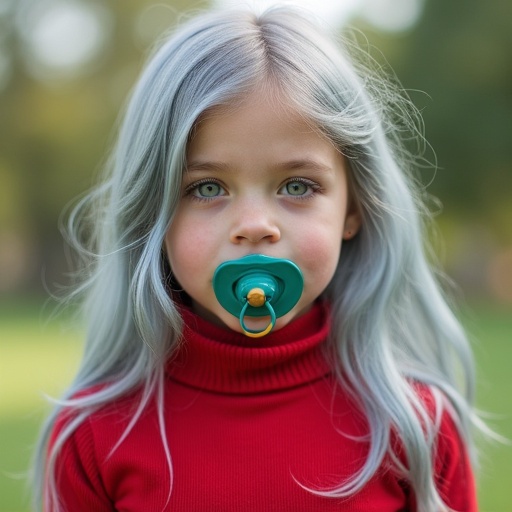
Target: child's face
{"type": "Point", "coordinates": [259, 180]}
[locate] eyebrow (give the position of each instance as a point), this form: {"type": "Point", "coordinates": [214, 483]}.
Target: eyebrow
{"type": "Point", "coordinates": [205, 166]}
{"type": "Point", "coordinates": [287, 165]}
{"type": "Point", "coordinates": [304, 163]}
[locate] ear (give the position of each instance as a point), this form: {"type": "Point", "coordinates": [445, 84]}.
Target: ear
{"type": "Point", "coordinates": [353, 222]}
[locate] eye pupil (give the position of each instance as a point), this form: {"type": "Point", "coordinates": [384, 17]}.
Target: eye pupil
{"type": "Point", "coordinates": [209, 190]}
{"type": "Point", "coordinates": [296, 188]}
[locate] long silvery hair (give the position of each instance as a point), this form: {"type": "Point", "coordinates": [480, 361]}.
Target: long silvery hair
{"type": "Point", "coordinates": [391, 326]}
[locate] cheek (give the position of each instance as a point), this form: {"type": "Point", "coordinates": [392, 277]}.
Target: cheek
{"type": "Point", "coordinates": [179, 244]}
{"type": "Point", "coordinates": [320, 252]}
{"type": "Point", "coordinates": [189, 245]}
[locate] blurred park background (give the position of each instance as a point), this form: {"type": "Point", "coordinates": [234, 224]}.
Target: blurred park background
{"type": "Point", "coordinates": [66, 67]}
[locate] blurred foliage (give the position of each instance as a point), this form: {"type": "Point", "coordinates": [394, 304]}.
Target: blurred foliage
{"type": "Point", "coordinates": [56, 127]}
{"type": "Point", "coordinates": [456, 66]}
{"type": "Point", "coordinates": [459, 55]}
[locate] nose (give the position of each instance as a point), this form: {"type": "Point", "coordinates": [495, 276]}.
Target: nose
{"type": "Point", "coordinates": [254, 222]}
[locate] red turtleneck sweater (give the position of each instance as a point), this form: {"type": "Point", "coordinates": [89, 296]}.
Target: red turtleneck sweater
{"type": "Point", "coordinates": [250, 424]}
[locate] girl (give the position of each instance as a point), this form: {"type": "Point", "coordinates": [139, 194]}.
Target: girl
{"type": "Point", "coordinates": [255, 136]}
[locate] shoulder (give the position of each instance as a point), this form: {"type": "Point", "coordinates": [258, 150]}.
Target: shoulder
{"type": "Point", "coordinates": [453, 473]}
{"type": "Point", "coordinates": [436, 405]}
{"type": "Point", "coordinates": [444, 420]}
{"type": "Point", "coordinates": [96, 413]}
{"type": "Point", "coordinates": [85, 432]}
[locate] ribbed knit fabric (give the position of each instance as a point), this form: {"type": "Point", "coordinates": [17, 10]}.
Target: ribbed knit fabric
{"type": "Point", "coordinates": [223, 361]}
{"type": "Point", "coordinates": [250, 424]}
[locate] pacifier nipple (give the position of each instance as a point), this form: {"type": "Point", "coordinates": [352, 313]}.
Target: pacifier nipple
{"type": "Point", "coordinates": [256, 297]}
{"type": "Point", "coordinates": [258, 286]}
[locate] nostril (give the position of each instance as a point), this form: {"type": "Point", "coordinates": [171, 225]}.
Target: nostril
{"type": "Point", "coordinates": [256, 233]}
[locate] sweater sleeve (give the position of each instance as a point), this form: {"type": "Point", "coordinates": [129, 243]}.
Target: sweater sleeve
{"type": "Point", "coordinates": [79, 487]}
{"type": "Point", "coordinates": [454, 475]}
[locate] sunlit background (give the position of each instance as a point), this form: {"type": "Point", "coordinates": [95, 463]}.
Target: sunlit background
{"type": "Point", "coordinates": [66, 67]}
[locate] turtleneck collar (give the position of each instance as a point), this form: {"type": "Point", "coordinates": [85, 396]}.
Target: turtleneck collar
{"type": "Point", "coordinates": [216, 359]}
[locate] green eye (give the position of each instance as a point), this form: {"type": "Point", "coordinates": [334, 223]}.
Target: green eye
{"type": "Point", "coordinates": [204, 190]}
{"type": "Point", "coordinates": [296, 188]}
{"type": "Point", "coordinates": [209, 190]}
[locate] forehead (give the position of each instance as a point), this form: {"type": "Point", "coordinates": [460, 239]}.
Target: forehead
{"type": "Point", "coordinates": [264, 116]}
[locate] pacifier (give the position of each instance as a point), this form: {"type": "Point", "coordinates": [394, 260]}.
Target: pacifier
{"type": "Point", "coordinates": [256, 286]}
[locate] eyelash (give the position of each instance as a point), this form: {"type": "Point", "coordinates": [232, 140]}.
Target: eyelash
{"type": "Point", "coordinates": [193, 187]}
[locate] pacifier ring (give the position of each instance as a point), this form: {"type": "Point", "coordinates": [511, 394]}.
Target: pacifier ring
{"type": "Point", "coordinates": [254, 333]}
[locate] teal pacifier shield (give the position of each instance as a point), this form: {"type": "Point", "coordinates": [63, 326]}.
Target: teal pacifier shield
{"type": "Point", "coordinates": [280, 280]}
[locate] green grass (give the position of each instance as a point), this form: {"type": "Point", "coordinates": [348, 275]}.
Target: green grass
{"type": "Point", "coordinates": [36, 358]}
{"type": "Point", "coordinates": [39, 358]}
{"type": "Point", "coordinates": [492, 328]}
